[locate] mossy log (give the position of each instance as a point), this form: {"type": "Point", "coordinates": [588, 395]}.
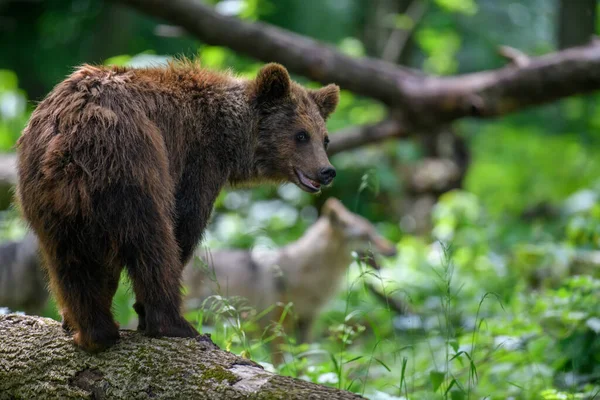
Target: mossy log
{"type": "Point", "coordinates": [39, 361]}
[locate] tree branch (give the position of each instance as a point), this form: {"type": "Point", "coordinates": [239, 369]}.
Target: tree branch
{"type": "Point", "coordinates": [398, 39]}
{"type": "Point", "coordinates": [519, 58]}
{"type": "Point", "coordinates": [300, 54]}
{"type": "Point", "coordinates": [38, 360]}
{"type": "Point", "coordinates": [509, 89]}
{"type": "Point", "coordinates": [422, 99]}
{"type": "Point", "coordinates": [357, 136]}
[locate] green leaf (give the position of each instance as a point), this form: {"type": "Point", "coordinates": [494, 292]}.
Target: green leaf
{"type": "Point", "coordinates": [383, 364]}
{"type": "Point", "coordinates": [454, 344]}
{"type": "Point", "coordinates": [353, 359]}
{"type": "Point", "coordinates": [450, 386]}
{"type": "Point", "coordinates": [436, 378]}
{"type": "Point", "coordinates": [403, 372]}
{"type": "Point", "coordinates": [457, 395]}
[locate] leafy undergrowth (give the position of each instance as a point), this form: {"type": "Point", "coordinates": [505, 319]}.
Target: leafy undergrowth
{"type": "Point", "coordinates": [522, 323]}
{"type": "Point", "coordinates": [501, 301]}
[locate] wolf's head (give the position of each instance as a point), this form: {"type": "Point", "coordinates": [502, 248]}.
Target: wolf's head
{"type": "Point", "coordinates": [358, 233]}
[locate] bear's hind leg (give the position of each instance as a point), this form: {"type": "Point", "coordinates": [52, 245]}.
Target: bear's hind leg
{"type": "Point", "coordinates": [154, 267]}
{"type": "Point", "coordinates": [85, 290]}
{"type": "Point", "coordinates": [67, 321]}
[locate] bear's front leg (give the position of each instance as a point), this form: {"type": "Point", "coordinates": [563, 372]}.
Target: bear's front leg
{"type": "Point", "coordinates": [138, 307]}
{"type": "Point", "coordinates": [193, 205]}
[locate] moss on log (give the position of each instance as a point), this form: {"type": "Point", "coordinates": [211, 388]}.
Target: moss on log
{"type": "Point", "coordinates": [39, 361]}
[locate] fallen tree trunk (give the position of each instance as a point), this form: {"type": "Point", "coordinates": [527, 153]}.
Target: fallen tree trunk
{"type": "Point", "coordinates": [39, 361]}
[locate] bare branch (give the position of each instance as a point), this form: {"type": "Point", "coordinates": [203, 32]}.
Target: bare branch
{"type": "Point", "coordinates": [509, 89]}
{"type": "Point", "coordinates": [399, 37]}
{"type": "Point", "coordinates": [357, 136]}
{"type": "Point", "coordinates": [517, 57]}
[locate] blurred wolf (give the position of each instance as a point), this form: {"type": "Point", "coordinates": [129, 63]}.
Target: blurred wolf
{"type": "Point", "coordinates": [305, 273]}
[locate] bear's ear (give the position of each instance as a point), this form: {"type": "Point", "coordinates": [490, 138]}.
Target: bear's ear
{"type": "Point", "coordinates": [327, 99]}
{"type": "Point", "coordinates": [272, 82]}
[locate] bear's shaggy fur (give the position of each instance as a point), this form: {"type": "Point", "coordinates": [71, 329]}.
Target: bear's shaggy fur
{"type": "Point", "coordinates": [121, 167]}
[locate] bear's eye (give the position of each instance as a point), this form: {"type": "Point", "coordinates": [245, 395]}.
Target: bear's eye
{"type": "Point", "coordinates": [302, 136]}
{"type": "Point", "coordinates": [326, 142]}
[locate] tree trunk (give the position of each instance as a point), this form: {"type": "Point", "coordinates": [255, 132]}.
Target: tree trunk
{"type": "Point", "coordinates": [39, 361]}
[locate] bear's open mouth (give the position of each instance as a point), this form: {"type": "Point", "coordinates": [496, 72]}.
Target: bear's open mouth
{"type": "Point", "coordinates": [306, 183]}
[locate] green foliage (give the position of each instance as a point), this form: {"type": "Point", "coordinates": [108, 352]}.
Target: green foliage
{"type": "Point", "coordinates": [521, 167]}
{"type": "Point", "coordinates": [583, 229]}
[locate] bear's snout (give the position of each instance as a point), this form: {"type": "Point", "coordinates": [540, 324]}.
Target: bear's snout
{"type": "Point", "coordinates": [326, 175]}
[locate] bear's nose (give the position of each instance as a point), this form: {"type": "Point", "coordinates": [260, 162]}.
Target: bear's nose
{"type": "Point", "coordinates": [326, 175]}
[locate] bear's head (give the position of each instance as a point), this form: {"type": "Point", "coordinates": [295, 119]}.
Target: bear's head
{"type": "Point", "coordinates": [292, 137]}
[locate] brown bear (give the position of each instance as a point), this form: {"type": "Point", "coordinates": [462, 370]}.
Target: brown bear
{"type": "Point", "coordinates": [121, 167]}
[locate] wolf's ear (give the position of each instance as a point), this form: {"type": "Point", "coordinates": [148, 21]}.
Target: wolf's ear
{"type": "Point", "coordinates": [331, 209]}
{"type": "Point", "coordinates": [326, 98]}
{"type": "Point", "coordinates": [272, 82]}
{"type": "Point", "coordinates": [334, 217]}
